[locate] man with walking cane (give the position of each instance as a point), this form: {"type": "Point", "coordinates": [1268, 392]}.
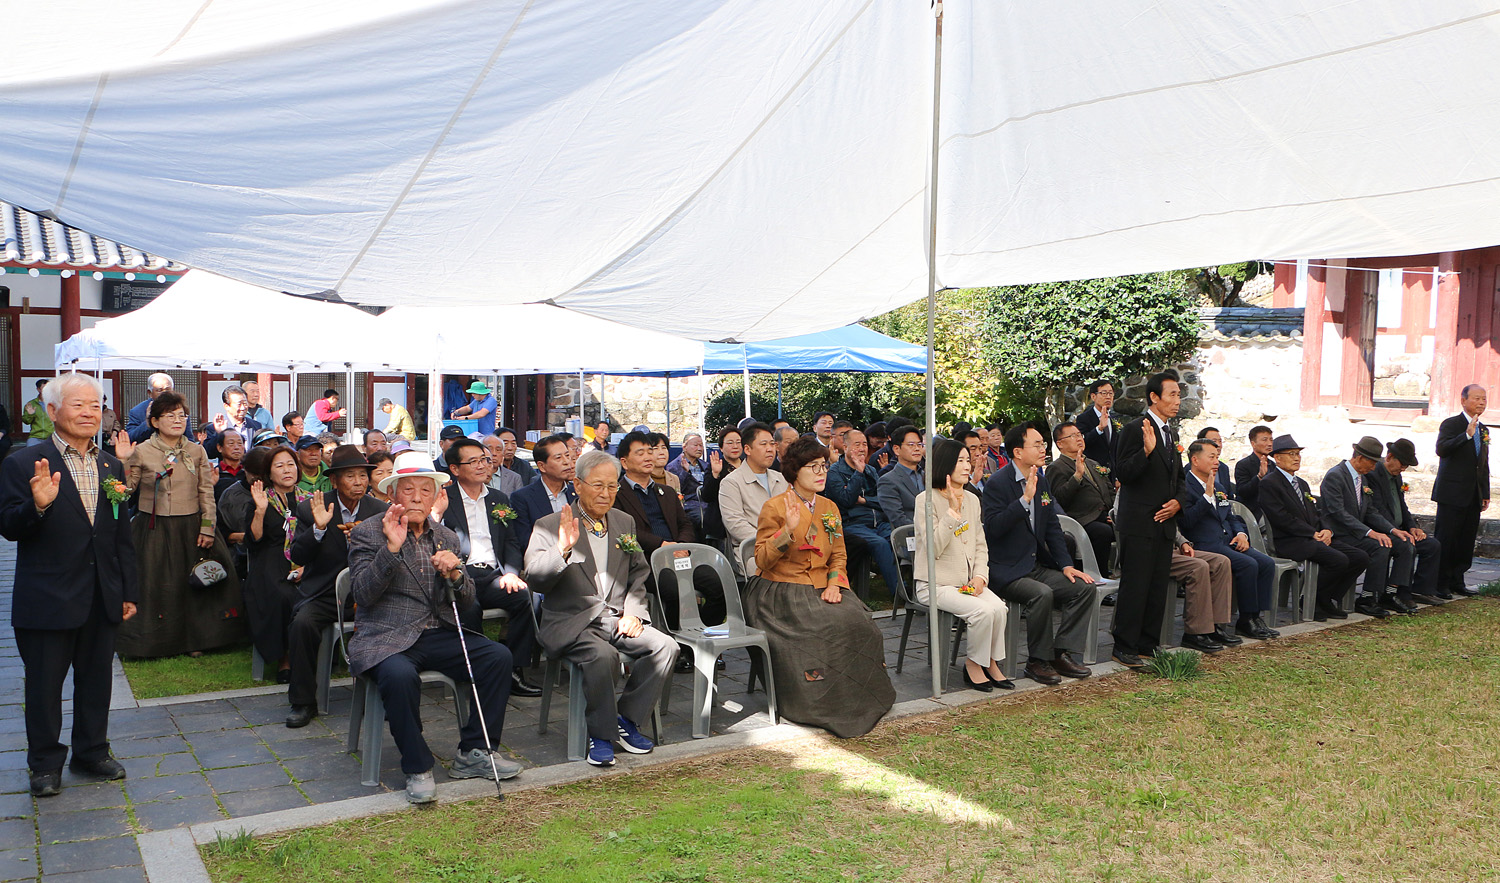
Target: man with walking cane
{"type": "Point", "coordinates": [407, 581]}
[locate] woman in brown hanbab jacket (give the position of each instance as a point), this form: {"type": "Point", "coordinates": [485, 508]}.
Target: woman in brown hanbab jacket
{"type": "Point", "coordinates": [827, 656]}
{"type": "Point", "coordinates": [173, 530]}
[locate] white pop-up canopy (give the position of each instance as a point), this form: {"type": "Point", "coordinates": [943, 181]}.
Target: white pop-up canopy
{"type": "Point", "coordinates": [748, 169]}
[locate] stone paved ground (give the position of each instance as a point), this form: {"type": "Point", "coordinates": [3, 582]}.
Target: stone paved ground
{"type": "Point", "coordinates": [208, 760]}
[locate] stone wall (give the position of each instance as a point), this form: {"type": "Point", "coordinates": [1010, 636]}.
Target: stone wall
{"type": "Point", "coordinates": [628, 402]}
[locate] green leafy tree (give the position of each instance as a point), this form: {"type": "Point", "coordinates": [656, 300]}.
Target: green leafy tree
{"type": "Point", "coordinates": [1053, 335]}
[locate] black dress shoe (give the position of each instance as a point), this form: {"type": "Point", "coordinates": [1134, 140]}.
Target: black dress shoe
{"type": "Point", "coordinates": [1128, 659]}
{"type": "Point", "coordinates": [1226, 636]}
{"type": "Point", "coordinates": [1442, 595]}
{"type": "Point", "coordinates": [519, 687]}
{"type": "Point", "coordinates": [284, 676]}
{"type": "Point", "coordinates": [1330, 610]}
{"type": "Point", "coordinates": [1202, 643]}
{"type": "Point", "coordinates": [684, 664]}
{"type": "Point", "coordinates": [984, 687]}
{"type": "Point", "coordinates": [1264, 630]}
{"type": "Point", "coordinates": [1395, 604]}
{"type": "Point", "coordinates": [106, 769]}
{"type": "Point", "coordinates": [1042, 673]}
{"type": "Point", "coordinates": [1065, 666]}
{"type": "Point", "coordinates": [1470, 591]}
{"type": "Point", "coordinates": [301, 716]}
{"type": "Point", "coordinates": [47, 783]}
{"type": "Point", "coordinates": [1004, 683]}
{"type": "Point", "coordinates": [1109, 600]}
{"type": "Point", "coordinates": [1430, 600]}
{"type": "Point", "coordinates": [1368, 607]}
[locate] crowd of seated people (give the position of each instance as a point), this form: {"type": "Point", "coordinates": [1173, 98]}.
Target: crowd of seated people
{"type": "Point", "coordinates": [558, 545]}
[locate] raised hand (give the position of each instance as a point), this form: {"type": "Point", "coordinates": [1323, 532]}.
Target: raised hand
{"type": "Point", "coordinates": [1078, 466]}
{"type": "Point", "coordinates": [393, 524]}
{"type": "Point", "coordinates": [1473, 426]}
{"type": "Point", "coordinates": [258, 494]}
{"type": "Point", "coordinates": [322, 514]}
{"type": "Point", "coordinates": [1148, 435]}
{"type": "Point", "coordinates": [1265, 465]}
{"type": "Point", "coordinates": [795, 512]}
{"type": "Point", "coordinates": [883, 460]}
{"type": "Point", "coordinates": [439, 505]}
{"type": "Point", "coordinates": [1030, 490]}
{"type": "Point", "coordinates": [220, 422]}
{"type": "Point", "coordinates": [44, 484]}
{"type": "Point", "coordinates": [716, 463]}
{"type": "Point", "coordinates": [567, 532]}
{"type": "Point", "coordinates": [124, 447]}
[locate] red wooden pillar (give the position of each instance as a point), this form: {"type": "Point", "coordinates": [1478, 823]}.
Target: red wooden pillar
{"type": "Point", "coordinates": [72, 317]}
{"type": "Point", "coordinates": [1443, 397]}
{"type": "Point", "coordinates": [1285, 294]}
{"type": "Point", "coordinates": [1355, 380]}
{"type": "Point", "coordinates": [1312, 335]}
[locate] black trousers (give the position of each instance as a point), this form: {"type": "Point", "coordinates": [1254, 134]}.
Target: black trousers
{"type": "Point", "coordinates": [705, 583]}
{"type": "Point", "coordinates": [1424, 566]}
{"type": "Point", "coordinates": [303, 637]}
{"type": "Point", "coordinates": [1102, 538]}
{"type": "Point", "coordinates": [1337, 570]}
{"type": "Point", "coordinates": [520, 631]}
{"type": "Point", "coordinates": [1377, 563]}
{"type": "Point", "coordinates": [1145, 564]}
{"type": "Point", "coordinates": [47, 654]}
{"type": "Point", "coordinates": [1457, 528]}
{"type": "Point", "coordinates": [1040, 593]}
{"type": "Point", "coordinates": [398, 678]}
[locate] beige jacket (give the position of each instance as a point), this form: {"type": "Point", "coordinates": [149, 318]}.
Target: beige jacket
{"type": "Point", "coordinates": [962, 553]}
{"type": "Point", "coordinates": [188, 490]}
{"type": "Point", "coordinates": [741, 497]}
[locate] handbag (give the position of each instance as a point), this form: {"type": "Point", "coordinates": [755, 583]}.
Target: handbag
{"type": "Point", "coordinates": [207, 573]}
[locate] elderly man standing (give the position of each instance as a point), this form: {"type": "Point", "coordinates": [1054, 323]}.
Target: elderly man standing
{"type": "Point", "coordinates": [1461, 491]}
{"type": "Point", "coordinates": [1349, 509]}
{"type": "Point", "coordinates": [400, 422]}
{"type": "Point", "coordinates": [236, 418]}
{"type": "Point", "coordinates": [405, 573]}
{"type": "Point", "coordinates": [257, 412]}
{"type": "Point", "coordinates": [591, 571]}
{"type": "Point", "coordinates": [75, 581]}
{"type": "Point", "coordinates": [136, 425]}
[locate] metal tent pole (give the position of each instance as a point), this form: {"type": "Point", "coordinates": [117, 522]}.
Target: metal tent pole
{"type": "Point", "coordinates": [669, 408]}
{"type": "Point", "coordinates": [939, 659]}
{"type": "Point", "coordinates": [434, 410]}
{"type": "Point", "coordinates": [702, 407]}
{"type": "Point", "coordinates": [778, 395]}
{"type": "Point", "coordinates": [581, 390]}
{"type": "Point", "coordinates": [349, 437]}
{"type": "Point", "coordinates": [745, 352]}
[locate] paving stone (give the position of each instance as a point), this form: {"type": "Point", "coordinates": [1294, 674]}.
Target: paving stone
{"type": "Point", "coordinates": [165, 814]}
{"type": "Point", "coordinates": [234, 756]}
{"type": "Point", "coordinates": [148, 746]}
{"type": "Point", "coordinates": [324, 746]}
{"type": "Point", "coordinates": [17, 741]}
{"type": "Point", "coordinates": [83, 824]}
{"type": "Point", "coordinates": [206, 706]}
{"type": "Point", "coordinates": [17, 806]}
{"type": "Point", "coordinates": [330, 766]}
{"type": "Point", "coordinates": [12, 760]}
{"type": "Point", "coordinates": [89, 855]}
{"type": "Point", "coordinates": [248, 778]}
{"type": "Point", "coordinates": [139, 723]}
{"type": "Point", "coordinates": [15, 781]}
{"type": "Point", "coordinates": [17, 833]}
{"type": "Point", "coordinates": [108, 875]}
{"type": "Point", "coordinates": [174, 764]}
{"type": "Point", "coordinates": [167, 787]}
{"type": "Point", "coordinates": [210, 722]}
{"type": "Point", "coordinates": [274, 714]}
{"type": "Point", "coordinates": [328, 790]}
{"type": "Point", "coordinates": [249, 803]}
{"type": "Point", "coordinates": [80, 793]}
{"type": "Point", "coordinates": [280, 732]}
{"type": "Point", "coordinates": [18, 864]}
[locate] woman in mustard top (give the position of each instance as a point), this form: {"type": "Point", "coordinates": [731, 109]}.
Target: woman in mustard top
{"type": "Point", "coordinates": [827, 656]}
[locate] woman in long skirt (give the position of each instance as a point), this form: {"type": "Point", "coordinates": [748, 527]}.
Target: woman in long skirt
{"type": "Point", "coordinates": [271, 588]}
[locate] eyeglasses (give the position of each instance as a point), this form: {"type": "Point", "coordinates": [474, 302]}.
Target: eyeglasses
{"type": "Point", "coordinates": [471, 462]}
{"type": "Point", "coordinates": [817, 468]}
{"type": "Point", "coordinates": [599, 487]}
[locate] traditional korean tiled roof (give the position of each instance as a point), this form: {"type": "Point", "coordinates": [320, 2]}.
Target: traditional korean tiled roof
{"type": "Point", "coordinates": [1261, 324]}
{"type": "Point", "coordinates": [29, 238]}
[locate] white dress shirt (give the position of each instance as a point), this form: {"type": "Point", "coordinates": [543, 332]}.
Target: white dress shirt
{"type": "Point", "coordinates": [481, 549]}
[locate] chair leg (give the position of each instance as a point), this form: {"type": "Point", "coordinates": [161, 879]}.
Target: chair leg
{"type": "Point", "coordinates": [578, 726]}
{"type": "Point", "coordinates": [763, 652]}
{"type": "Point", "coordinates": [1091, 639]}
{"type": "Point", "coordinates": [356, 714]}
{"type": "Point", "coordinates": [1012, 665]}
{"type": "Point", "coordinates": [552, 677]}
{"type": "Point", "coordinates": [257, 665]}
{"type": "Point", "coordinates": [325, 669]}
{"type": "Point", "coordinates": [703, 690]}
{"type": "Point", "coordinates": [905, 630]}
{"type": "Point", "coordinates": [373, 738]}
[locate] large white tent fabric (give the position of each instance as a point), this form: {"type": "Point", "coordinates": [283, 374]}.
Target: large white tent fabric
{"type": "Point", "coordinates": [748, 169]}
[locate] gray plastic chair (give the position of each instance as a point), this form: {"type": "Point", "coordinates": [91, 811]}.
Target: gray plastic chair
{"type": "Point", "coordinates": [1102, 585]}
{"type": "Point", "coordinates": [367, 712]}
{"type": "Point", "coordinates": [1287, 577]}
{"type": "Point", "coordinates": [676, 565]}
{"type": "Point", "coordinates": [747, 557]}
{"type": "Point", "coordinates": [950, 627]}
{"type": "Point", "coordinates": [578, 729]}
{"type": "Point", "coordinates": [1309, 580]}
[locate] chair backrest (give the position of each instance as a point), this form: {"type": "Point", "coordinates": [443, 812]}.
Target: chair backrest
{"type": "Point", "coordinates": [341, 587]}
{"type": "Point", "coordinates": [747, 556]}
{"type": "Point", "coordinates": [901, 542]}
{"type": "Point", "coordinates": [1254, 530]}
{"type": "Point", "coordinates": [1072, 528]}
{"type": "Point", "coordinates": [677, 564]}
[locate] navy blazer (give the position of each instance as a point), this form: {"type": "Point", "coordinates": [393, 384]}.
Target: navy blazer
{"type": "Point", "coordinates": [1247, 480]}
{"type": "Point", "coordinates": [1463, 475]}
{"type": "Point", "coordinates": [211, 442]}
{"type": "Point", "coordinates": [1017, 544]}
{"type": "Point", "coordinates": [532, 505]}
{"type": "Point", "coordinates": [323, 560]}
{"type": "Point", "coordinates": [60, 557]}
{"type": "Point", "coordinates": [502, 536]}
{"type": "Point", "coordinates": [1208, 527]}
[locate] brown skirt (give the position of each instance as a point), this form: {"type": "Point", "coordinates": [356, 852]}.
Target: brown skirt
{"type": "Point", "coordinates": [828, 659]}
{"type": "Point", "coordinates": [172, 617]}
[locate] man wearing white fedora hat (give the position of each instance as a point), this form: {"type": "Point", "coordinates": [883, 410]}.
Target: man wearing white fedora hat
{"type": "Point", "coordinates": [406, 571]}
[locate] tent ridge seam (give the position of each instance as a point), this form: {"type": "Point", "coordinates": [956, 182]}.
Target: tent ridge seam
{"type": "Point", "coordinates": [83, 135]}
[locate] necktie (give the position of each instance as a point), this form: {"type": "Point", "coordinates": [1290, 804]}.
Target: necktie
{"type": "Point", "coordinates": [1478, 439]}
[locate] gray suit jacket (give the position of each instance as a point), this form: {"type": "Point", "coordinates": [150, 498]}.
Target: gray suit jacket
{"type": "Point", "coordinates": [395, 595]}
{"type": "Point", "coordinates": [571, 597]}
{"type": "Point", "coordinates": [1350, 511]}
{"type": "Point", "coordinates": [898, 495]}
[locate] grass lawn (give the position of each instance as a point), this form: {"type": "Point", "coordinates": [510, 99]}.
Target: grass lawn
{"type": "Point", "coordinates": [1363, 753]}
{"type": "Point", "coordinates": [227, 669]}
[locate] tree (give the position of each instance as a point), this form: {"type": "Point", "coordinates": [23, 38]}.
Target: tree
{"type": "Point", "coordinates": [1052, 335]}
{"type": "Point", "coordinates": [1221, 285]}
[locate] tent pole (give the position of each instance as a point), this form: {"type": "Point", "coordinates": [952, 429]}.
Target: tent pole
{"type": "Point", "coordinates": [745, 350]}
{"type": "Point", "coordinates": [702, 418]}
{"type": "Point", "coordinates": [778, 395]}
{"type": "Point", "coordinates": [99, 375]}
{"type": "Point", "coordinates": [350, 437]}
{"type": "Point", "coordinates": [669, 408]}
{"type": "Point", "coordinates": [500, 416]}
{"type": "Point", "coordinates": [939, 659]}
{"type": "Point", "coordinates": [291, 371]}
{"type": "Point", "coordinates": [581, 390]}
{"type": "Point", "coordinates": [602, 418]}
{"type": "Point", "coordinates": [434, 410]}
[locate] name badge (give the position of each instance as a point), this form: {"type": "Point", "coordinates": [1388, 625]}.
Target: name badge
{"type": "Point", "coordinates": [682, 564]}
{"type": "Point", "coordinates": [911, 544]}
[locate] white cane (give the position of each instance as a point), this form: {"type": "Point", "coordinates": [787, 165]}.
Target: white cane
{"type": "Point", "coordinates": [474, 686]}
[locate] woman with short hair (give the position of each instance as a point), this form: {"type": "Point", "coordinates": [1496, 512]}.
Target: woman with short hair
{"type": "Point", "coordinates": [271, 588]}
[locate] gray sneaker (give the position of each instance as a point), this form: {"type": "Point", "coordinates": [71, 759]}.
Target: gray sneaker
{"type": "Point", "coordinates": [475, 764]}
{"type": "Point", "coordinates": [421, 788]}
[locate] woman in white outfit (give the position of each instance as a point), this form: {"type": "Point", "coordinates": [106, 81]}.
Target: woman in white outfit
{"type": "Point", "coordinates": [962, 565]}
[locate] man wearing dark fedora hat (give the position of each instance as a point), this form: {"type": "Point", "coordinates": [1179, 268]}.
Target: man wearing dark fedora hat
{"type": "Point", "coordinates": [1349, 509]}
{"type": "Point", "coordinates": [1417, 554]}
{"type": "Point", "coordinates": [321, 547]}
{"type": "Point", "coordinates": [1302, 533]}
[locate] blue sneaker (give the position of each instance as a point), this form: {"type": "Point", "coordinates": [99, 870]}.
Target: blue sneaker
{"type": "Point", "coordinates": [601, 753]}
{"type": "Point", "coordinates": [631, 738]}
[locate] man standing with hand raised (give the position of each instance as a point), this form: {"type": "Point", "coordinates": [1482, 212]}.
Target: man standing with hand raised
{"type": "Point", "coordinates": [1462, 490]}
{"type": "Point", "coordinates": [1148, 466]}
{"type": "Point", "coordinates": [75, 580]}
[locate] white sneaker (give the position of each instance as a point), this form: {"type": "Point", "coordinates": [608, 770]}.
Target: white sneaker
{"type": "Point", "coordinates": [421, 788]}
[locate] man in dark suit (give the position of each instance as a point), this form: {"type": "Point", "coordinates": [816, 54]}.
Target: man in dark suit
{"type": "Point", "coordinates": [1209, 523]}
{"type": "Point", "coordinates": [75, 580]}
{"type": "Point", "coordinates": [320, 547]}
{"type": "Point", "coordinates": [551, 492]}
{"type": "Point", "coordinates": [482, 516]}
{"type": "Point", "coordinates": [1300, 533]}
{"type": "Point", "coordinates": [1029, 560]}
{"type": "Point", "coordinates": [1212, 435]}
{"type": "Point", "coordinates": [900, 484]}
{"type": "Point", "coordinates": [1251, 469]}
{"type": "Point", "coordinates": [1148, 465]}
{"type": "Point", "coordinates": [660, 520]}
{"type": "Point", "coordinates": [1415, 572]}
{"type": "Point", "coordinates": [1100, 428]}
{"type": "Point", "coordinates": [1462, 490]}
{"type": "Point", "coordinates": [1349, 510]}
{"type": "Point", "coordinates": [594, 608]}
{"type": "Point", "coordinates": [1084, 490]}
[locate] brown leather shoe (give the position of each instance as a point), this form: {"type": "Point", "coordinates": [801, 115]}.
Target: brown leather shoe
{"type": "Point", "coordinates": [1042, 673]}
{"type": "Point", "coordinates": [1068, 668]}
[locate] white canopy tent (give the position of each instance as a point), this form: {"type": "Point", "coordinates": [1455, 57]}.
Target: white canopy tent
{"type": "Point", "coordinates": [748, 169]}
